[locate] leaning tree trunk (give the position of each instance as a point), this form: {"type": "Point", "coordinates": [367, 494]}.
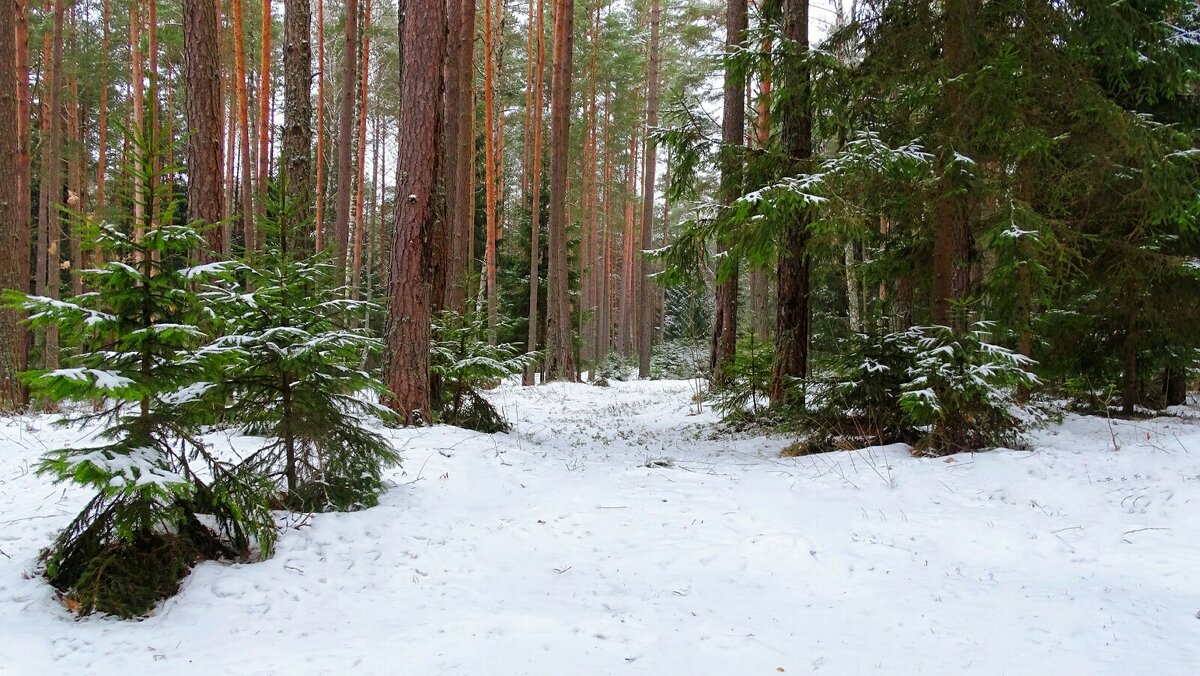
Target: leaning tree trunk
{"type": "Point", "coordinates": [295, 153]}
{"type": "Point", "coordinates": [733, 123]}
{"type": "Point", "coordinates": [792, 314]}
{"type": "Point", "coordinates": [202, 69]}
{"type": "Point", "coordinates": [407, 332]}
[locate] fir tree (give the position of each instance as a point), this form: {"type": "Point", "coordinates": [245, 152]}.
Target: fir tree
{"type": "Point", "coordinates": [294, 373]}
{"type": "Point", "coordinates": [162, 501]}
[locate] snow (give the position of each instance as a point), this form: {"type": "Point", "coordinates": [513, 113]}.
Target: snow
{"type": "Point", "coordinates": [556, 549]}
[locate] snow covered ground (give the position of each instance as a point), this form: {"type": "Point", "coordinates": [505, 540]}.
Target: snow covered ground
{"type": "Point", "coordinates": [559, 549]}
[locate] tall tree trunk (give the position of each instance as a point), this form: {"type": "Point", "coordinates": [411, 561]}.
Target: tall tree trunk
{"type": "Point", "coordinates": [13, 224]}
{"type": "Point", "coordinates": [296, 150]}
{"type": "Point", "coordinates": [952, 221]}
{"type": "Point", "coordinates": [602, 264]}
{"type": "Point", "coordinates": [760, 283]}
{"type": "Point", "coordinates": [588, 274]}
{"type": "Point", "coordinates": [243, 114]}
{"type": "Point", "coordinates": [24, 176]}
{"type": "Point", "coordinates": [407, 333]}
{"type": "Point", "coordinates": [559, 361]}
{"type": "Point", "coordinates": [319, 207]}
{"type": "Point", "coordinates": [102, 124]}
{"type": "Point", "coordinates": [792, 314]}
{"type": "Point", "coordinates": [535, 218]}
{"type": "Point", "coordinates": [76, 159]}
{"type": "Point", "coordinates": [51, 186]}
{"type": "Point", "coordinates": [489, 169]}
{"type": "Point", "coordinates": [460, 143]}
{"type": "Point", "coordinates": [626, 310]}
{"type": "Point", "coordinates": [341, 223]}
{"type": "Point", "coordinates": [202, 65]}
{"type": "Point", "coordinates": [360, 203]}
{"type": "Point", "coordinates": [649, 171]}
{"type": "Point", "coordinates": [266, 129]}
{"type": "Point", "coordinates": [733, 122]}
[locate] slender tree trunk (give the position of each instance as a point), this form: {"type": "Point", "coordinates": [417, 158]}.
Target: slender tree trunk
{"type": "Point", "coordinates": [760, 283]}
{"type": "Point", "coordinates": [407, 333]}
{"type": "Point", "coordinates": [102, 124]}
{"type": "Point", "coordinates": [51, 186]}
{"type": "Point", "coordinates": [650, 170]}
{"type": "Point", "coordinates": [296, 150]}
{"type": "Point", "coordinates": [792, 315]}
{"type": "Point", "coordinates": [202, 64]}
{"type": "Point", "coordinates": [243, 123]}
{"type": "Point", "coordinates": [76, 158]}
{"type": "Point", "coordinates": [559, 361]}
{"type": "Point", "coordinates": [952, 221]}
{"type": "Point", "coordinates": [13, 224]}
{"type": "Point", "coordinates": [733, 122]}
{"type": "Point", "coordinates": [345, 146]}
{"type": "Point", "coordinates": [489, 169]}
{"type": "Point", "coordinates": [460, 144]}
{"type": "Point", "coordinates": [266, 128]}
{"type": "Point", "coordinates": [360, 203]}
{"type": "Point", "coordinates": [319, 207]}
{"type": "Point", "coordinates": [626, 312]}
{"type": "Point", "coordinates": [535, 218]}
{"type": "Point", "coordinates": [603, 273]}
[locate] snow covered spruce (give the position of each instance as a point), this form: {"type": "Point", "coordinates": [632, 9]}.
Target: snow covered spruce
{"type": "Point", "coordinates": [153, 364]}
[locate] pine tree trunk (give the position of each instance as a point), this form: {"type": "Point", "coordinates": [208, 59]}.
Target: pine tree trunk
{"type": "Point", "coordinates": [51, 185]}
{"type": "Point", "coordinates": [243, 114]}
{"type": "Point", "coordinates": [202, 65]}
{"type": "Point", "coordinates": [345, 142]}
{"type": "Point", "coordinates": [649, 170]}
{"type": "Point", "coordinates": [360, 202]}
{"type": "Point", "coordinates": [792, 314]}
{"type": "Point", "coordinates": [535, 218]}
{"type": "Point", "coordinates": [102, 124]}
{"type": "Point", "coordinates": [266, 129]}
{"type": "Point", "coordinates": [626, 311]}
{"type": "Point", "coordinates": [460, 143]}
{"type": "Point", "coordinates": [760, 282]}
{"type": "Point", "coordinates": [407, 333]}
{"type": "Point", "coordinates": [952, 228]}
{"type": "Point", "coordinates": [489, 169]}
{"type": "Point", "coordinates": [559, 361]}
{"type": "Point", "coordinates": [319, 206]}
{"type": "Point", "coordinates": [296, 150]}
{"type": "Point", "coordinates": [733, 123]}
{"type": "Point", "coordinates": [13, 246]}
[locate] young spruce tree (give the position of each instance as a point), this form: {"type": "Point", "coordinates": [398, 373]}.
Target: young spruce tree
{"type": "Point", "coordinates": [162, 500]}
{"type": "Point", "coordinates": [294, 373]}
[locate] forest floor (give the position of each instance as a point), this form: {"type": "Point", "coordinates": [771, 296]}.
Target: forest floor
{"type": "Point", "coordinates": [615, 532]}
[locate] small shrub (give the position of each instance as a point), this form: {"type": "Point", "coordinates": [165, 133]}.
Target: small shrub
{"type": "Point", "coordinates": [743, 398]}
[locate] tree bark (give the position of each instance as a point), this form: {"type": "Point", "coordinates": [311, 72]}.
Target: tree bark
{"type": "Point", "coordinates": [407, 334]}
{"type": "Point", "coordinates": [647, 300]}
{"type": "Point", "coordinates": [535, 218]}
{"type": "Point", "coordinates": [296, 149]}
{"type": "Point", "coordinates": [733, 124]}
{"type": "Point", "coordinates": [559, 360]}
{"type": "Point", "coordinates": [319, 207]}
{"type": "Point", "coordinates": [51, 185]}
{"type": "Point", "coordinates": [243, 113]}
{"type": "Point", "coordinates": [792, 314]}
{"type": "Point", "coordinates": [489, 170]}
{"type": "Point", "coordinates": [13, 224]}
{"type": "Point", "coordinates": [345, 167]}
{"type": "Point", "coordinates": [202, 66]}
{"type": "Point", "coordinates": [952, 222]}
{"type": "Point", "coordinates": [460, 142]}
{"type": "Point", "coordinates": [360, 202]}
